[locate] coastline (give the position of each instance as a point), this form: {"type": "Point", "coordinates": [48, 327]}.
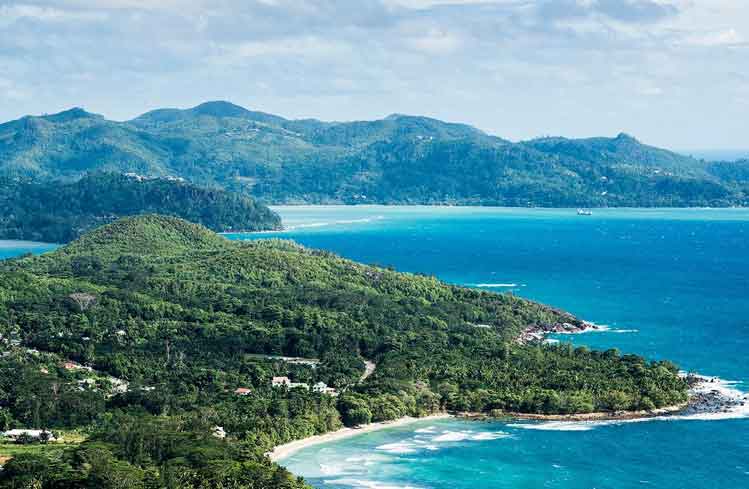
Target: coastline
{"type": "Point", "coordinates": [288, 449]}
{"type": "Point", "coordinates": [595, 416]}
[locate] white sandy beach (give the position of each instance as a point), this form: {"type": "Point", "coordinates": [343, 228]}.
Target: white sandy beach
{"type": "Point", "coordinates": [286, 450]}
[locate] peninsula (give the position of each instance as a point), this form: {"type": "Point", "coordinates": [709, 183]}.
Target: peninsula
{"type": "Point", "coordinates": [177, 352]}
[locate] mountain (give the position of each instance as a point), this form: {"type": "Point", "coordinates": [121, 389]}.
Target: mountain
{"type": "Point", "coordinates": [399, 159]}
{"type": "Point", "coordinates": [58, 212]}
{"type": "Point", "coordinates": [731, 171]}
{"type": "Point", "coordinates": [149, 333]}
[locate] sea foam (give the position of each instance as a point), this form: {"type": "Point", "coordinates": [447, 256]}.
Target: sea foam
{"type": "Point", "coordinates": [367, 484]}
{"type": "Point", "coordinates": [497, 286]}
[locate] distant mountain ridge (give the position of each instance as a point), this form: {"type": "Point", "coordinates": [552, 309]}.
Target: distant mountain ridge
{"type": "Point", "coordinates": [396, 160]}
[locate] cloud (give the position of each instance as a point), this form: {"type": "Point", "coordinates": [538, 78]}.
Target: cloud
{"type": "Point", "coordinates": [12, 13]}
{"type": "Point", "coordinates": [728, 37]}
{"type": "Point", "coordinates": [517, 68]}
{"type": "Point", "coordinates": [631, 11]}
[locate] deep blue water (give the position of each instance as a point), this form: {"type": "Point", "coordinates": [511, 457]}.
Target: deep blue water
{"type": "Point", "coordinates": [668, 283]}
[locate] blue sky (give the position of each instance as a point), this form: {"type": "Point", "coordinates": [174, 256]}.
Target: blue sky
{"type": "Point", "coordinates": [674, 73]}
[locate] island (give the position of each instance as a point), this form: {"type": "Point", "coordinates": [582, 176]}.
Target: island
{"type": "Point", "coordinates": [400, 159]}
{"type": "Point", "coordinates": [159, 354]}
{"type": "Point", "coordinates": [55, 211]}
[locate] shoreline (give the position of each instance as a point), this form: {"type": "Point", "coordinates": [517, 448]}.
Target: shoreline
{"type": "Point", "coordinates": [286, 450]}
{"type": "Point", "coordinates": [594, 416]}
{"type": "Point", "coordinates": [707, 396]}
{"type": "Point", "coordinates": [568, 324]}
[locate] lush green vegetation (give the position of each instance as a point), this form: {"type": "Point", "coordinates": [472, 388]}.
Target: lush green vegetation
{"type": "Point", "coordinates": [400, 159]}
{"type": "Point", "coordinates": [58, 212]}
{"type": "Point", "coordinates": [181, 314]}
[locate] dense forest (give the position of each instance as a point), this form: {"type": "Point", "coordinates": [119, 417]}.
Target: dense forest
{"type": "Point", "coordinates": [400, 159]}
{"type": "Point", "coordinates": [58, 212]}
{"type": "Point", "coordinates": [140, 333]}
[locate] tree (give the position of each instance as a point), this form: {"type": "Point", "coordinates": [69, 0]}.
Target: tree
{"type": "Point", "coordinates": [83, 300]}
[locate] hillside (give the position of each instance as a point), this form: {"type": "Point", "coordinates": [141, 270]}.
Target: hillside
{"type": "Point", "coordinates": [185, 318]}
{"type": "Point", "coordinates": [399, 159]}
{"type": "Point", "coordinates": [59, 212]}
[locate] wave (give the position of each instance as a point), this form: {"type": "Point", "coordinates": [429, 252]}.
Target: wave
{"type": "Point", "coordinates": [486, 435]}
{"type": "Point", "coordinates": [368, 459]}
{"type": "Point", "coordinates": [448, 436]}
{"type": "Point", "coordinates": [319, 224]}
{"type": "Point", "coordinates": [333, 469]}
{"type": "Point", "coordinates": [599, 328]}
{"type": "Point", "coordinates": [556, 425]}
{"type": "Point", "coordinates": [366, 484]}
{"type": "Point", "coordinates": [497, 286]}
{"type": "Point", "coordinates": [402, 447]}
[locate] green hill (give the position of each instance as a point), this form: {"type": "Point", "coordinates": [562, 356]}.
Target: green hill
{"type": "Point", "coordinates": [399, 159]}
{"type": "Point", "coordinates": [58, 212]}
{"type": "Point", "coordinates": [185, 317]}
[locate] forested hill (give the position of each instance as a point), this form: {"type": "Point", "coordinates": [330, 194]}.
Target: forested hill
{"type": "Point", "coordinates": [58, 212]}
{"type": "Point", "coordinates": [169, 328]}
{"type": "Point", "coordinates": [399, 159]}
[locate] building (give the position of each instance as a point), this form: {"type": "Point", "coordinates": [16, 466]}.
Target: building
{"type": "Point", "coordinates": [242, 391]}
{"type": "Point", "coordinates": [36, 434]}
{"type": "Point", "coordinates": [76, 366]}
{"type": "Point", "coordinates": [286, 382]}
{"type": "Point", "coordinates": [322, 388]}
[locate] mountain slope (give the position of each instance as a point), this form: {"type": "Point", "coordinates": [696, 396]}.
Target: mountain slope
{"type": "Point", "coordinates": [59, 212]}
{"type": "Point", "coordinates": [399, 159]}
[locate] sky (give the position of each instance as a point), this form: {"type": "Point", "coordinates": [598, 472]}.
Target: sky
{"type": "Point", "coordinates": [673, 73]}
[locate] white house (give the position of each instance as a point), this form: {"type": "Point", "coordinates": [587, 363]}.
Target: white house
{"type": "Point", "coordinates": [15, 434]}
{"type": "Point", "coordinates": [322, 388]}
{"type": "Point", "coordinates": [219, 432]}
{"type": "Point", "coordinates": [286, 382]}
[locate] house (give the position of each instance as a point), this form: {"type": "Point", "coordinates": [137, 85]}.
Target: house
{"type": "Point", "coordinates": [322, 388]}
{"type": "Point", "coordinates": [286, 382]}
{"type": "Point", "coordinates": [36, 434]}
{"type": "Point", "coordinates": [280, 382]}
{"type": "Point", "coordinates": [219, 432]}
{"type": "Point", "coordinates": [76, 366]}
{"type": "Point", "coordinates": [242, 391]}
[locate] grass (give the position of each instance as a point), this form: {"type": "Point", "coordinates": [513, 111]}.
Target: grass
{"type": "Point", "coordinates": [67, 439]}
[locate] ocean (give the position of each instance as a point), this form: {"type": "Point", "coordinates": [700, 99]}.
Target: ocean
{"type": "Point", "coordinates": [666, 283]}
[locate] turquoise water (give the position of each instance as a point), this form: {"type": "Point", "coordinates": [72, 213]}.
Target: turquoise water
{"type": "Point", "coordinates": [11, 248]}
{"type": "Point", "coordinates": [667, 283]}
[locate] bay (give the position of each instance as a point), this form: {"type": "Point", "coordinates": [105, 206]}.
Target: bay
{"type": "Point", "coordinates": [667, 283]}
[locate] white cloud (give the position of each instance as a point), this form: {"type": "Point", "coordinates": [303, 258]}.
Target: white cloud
{"type": "Point", "coordinates": [303, 46]}
{"type": "Point", "coordinates": [15, 12]}
{"type": "Point", "coordinates": [728, 37]}
{"type": "Point", "coordinates": [436, 42]}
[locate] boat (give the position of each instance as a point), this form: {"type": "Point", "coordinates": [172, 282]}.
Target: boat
{"type": "Point", "coordinates": [584, 212]}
